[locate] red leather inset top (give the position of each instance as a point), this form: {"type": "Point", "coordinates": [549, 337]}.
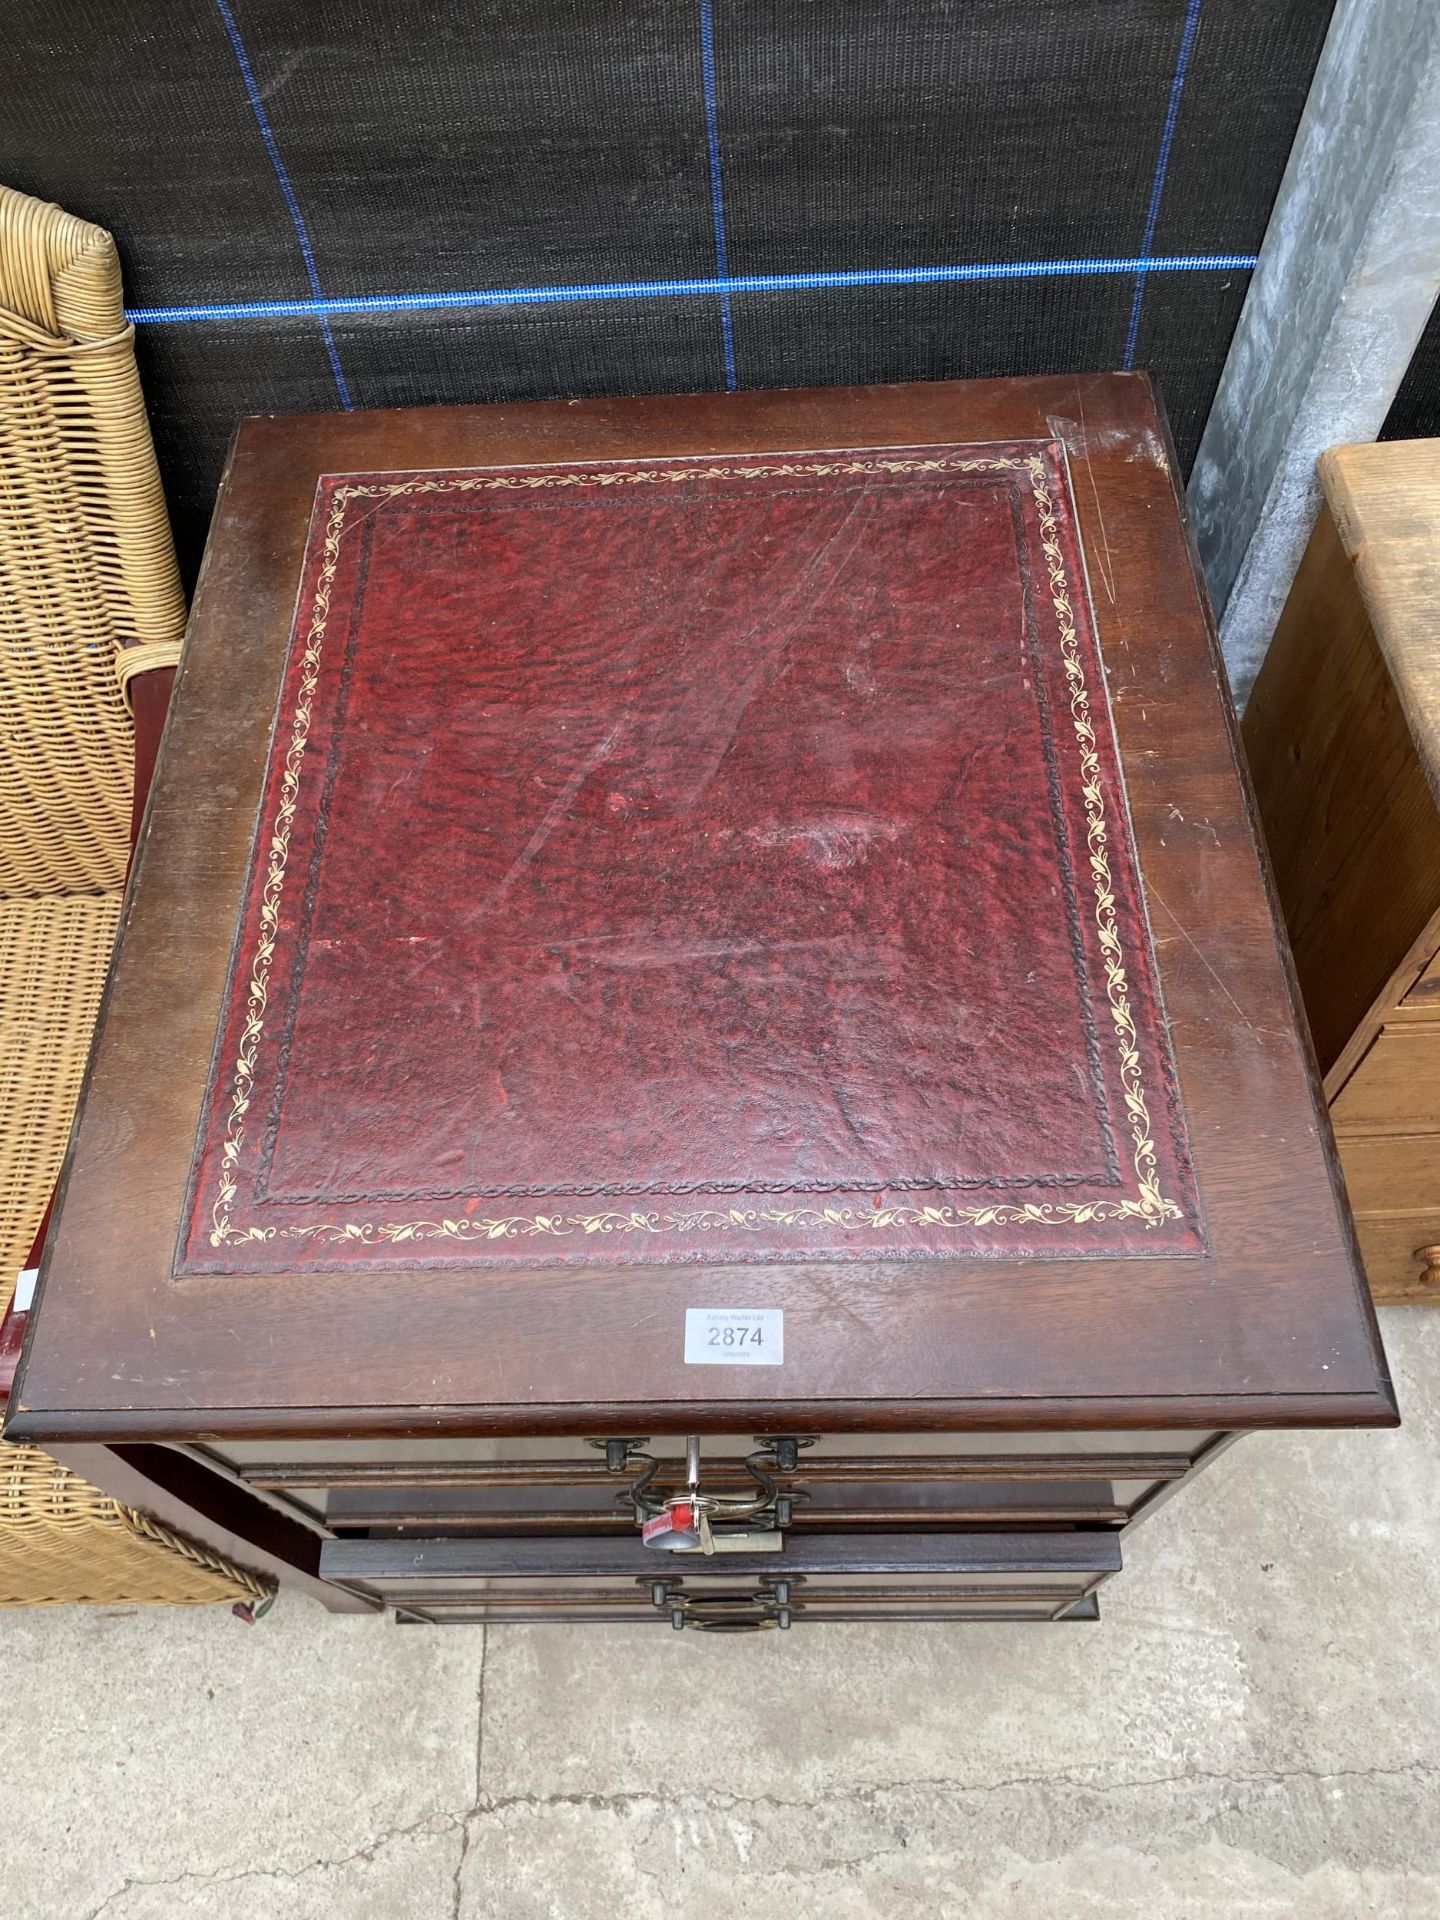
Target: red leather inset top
{"type": "Point", "coordinates": [711, 859]}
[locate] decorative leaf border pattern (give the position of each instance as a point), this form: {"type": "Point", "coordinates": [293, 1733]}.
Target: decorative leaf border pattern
{"type": "Point", "coordinates": [1150, 1206]}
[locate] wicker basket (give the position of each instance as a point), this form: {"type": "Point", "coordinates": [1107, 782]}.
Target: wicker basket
{"type": "Point", "coordinates": [89, 591]}
{"type": "Point", "coordinates": [63, 1542]}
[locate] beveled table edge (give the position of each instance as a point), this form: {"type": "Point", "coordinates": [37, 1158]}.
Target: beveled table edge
{"type": "Point", "coordinates": [186, 1424]}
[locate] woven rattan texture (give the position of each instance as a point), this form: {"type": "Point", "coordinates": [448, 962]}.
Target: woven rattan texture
{"type": "Point", "coordinates": [87, 565]}
{"type": "Point", "coordinates": [87, 570]}
{"type": "Point", "coordinates": [53, 956]}
{"type": "Point", "coordinates": [63, 1542]}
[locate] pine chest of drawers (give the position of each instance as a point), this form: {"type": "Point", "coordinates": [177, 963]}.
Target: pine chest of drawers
{"type": "Point", "coordinates": [700, 1036]}
{"type": "Point", "coordinates": [1343, 736]}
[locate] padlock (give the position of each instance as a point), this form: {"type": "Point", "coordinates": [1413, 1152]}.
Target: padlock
{"type": "Point", "coordinates": [676, 1528]}
{"type": "Point", "coordinates": [683, 1524]}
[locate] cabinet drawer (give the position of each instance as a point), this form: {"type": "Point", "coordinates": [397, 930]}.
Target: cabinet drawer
{"type": "Point", "coordinates": [1397, 1173]}
{"type": "Point", "coordinates": [861, 1576]}
{"type": "Point", "coordinates": [1425, 994]}
{"type": "Point", "coordinates": [804, 1611]}
{"type": "Point", "coordinates": [839, 1481]}
{"type": "Point", "coordinates": [1388, 1243]}
{"type": "Point", "coordinates": [1396, 1087]}
{"type": "Point", "coordinates": [829, 1505]}
{"type": "Point", "coordinates": [448, 1461]}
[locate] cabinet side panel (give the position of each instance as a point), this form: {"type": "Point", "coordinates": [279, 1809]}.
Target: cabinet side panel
{"type": "Point", "coordinates": [1347, 811]}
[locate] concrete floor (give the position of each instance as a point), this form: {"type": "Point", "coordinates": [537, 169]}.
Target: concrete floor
{"type": "Point", "coordinates": [1252, 1730]}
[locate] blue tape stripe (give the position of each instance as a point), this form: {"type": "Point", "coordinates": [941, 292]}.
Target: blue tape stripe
{"type": "Point", "coordinates": [717, 191]}
{"type": "Point", "coordinates": [681, 289]}
{"type": "Point", "coordinates": [302, 232]}
{"type": "Point", "coordinates": [1162, 163]}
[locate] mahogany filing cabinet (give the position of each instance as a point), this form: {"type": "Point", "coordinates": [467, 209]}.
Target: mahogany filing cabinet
{"type": "Point", "coordinates": [700, 1037]}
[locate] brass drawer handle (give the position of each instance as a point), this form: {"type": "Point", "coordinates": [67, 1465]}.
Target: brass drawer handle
{"type": "Point", "coordinates": [767, 1606]}
{"type": "Point", "coordinates": [1429, 1258]}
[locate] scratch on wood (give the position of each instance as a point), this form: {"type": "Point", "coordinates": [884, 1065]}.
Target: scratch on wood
{"type": "Point", "coordinates": [1103, 566]}
{"type": "Point", "coordinates": [1174, 921]}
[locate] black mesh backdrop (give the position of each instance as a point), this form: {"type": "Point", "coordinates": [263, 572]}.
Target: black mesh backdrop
{"type": "Point", "coordinates": [246, 152]}
{"type": "Point", "coordinates": [1415, 411]}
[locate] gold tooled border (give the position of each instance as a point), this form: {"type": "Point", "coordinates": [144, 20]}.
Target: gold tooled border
{"type": "Point", "coordinates": [1148, 1205]}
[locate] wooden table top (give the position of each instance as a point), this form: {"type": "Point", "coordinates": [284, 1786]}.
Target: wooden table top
{"type": "Point", "coordinates": [766, 851]}
{"type": "Point", "coordinates": [1385, 496]}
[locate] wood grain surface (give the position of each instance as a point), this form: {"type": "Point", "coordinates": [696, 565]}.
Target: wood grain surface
{"type": "Point", "coordinates": [1343, 736]}
{"type": "Point", "coordinates": [1385, 497]}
